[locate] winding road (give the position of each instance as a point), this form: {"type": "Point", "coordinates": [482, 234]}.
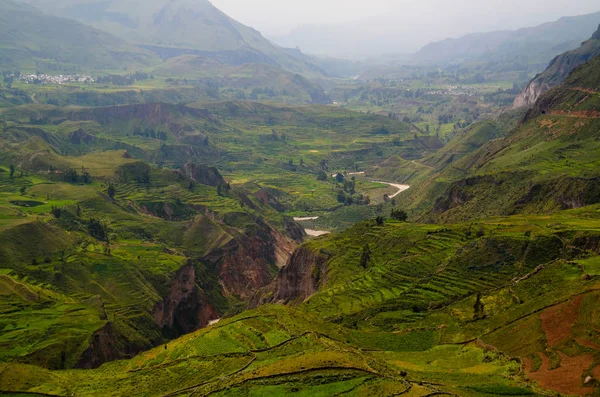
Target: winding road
{"type": "Point", "coordinates": [317, 233]}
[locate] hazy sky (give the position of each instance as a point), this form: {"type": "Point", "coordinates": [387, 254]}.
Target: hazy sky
{"type": "Point", "coordinates": [277, 17]}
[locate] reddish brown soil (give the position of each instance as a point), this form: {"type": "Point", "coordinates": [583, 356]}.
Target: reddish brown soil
{"type": "Point", "coordinates": [588, 344]}
{"type": "Point", "coordinates": [558, 320]}
{"type": "Point", "coordinates": [567, 379]}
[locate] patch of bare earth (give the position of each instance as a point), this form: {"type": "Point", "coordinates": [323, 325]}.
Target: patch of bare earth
{"type": "Point", "coordinates": [567, 379]}
{"type": "Point", "coordinates": [558, 320]}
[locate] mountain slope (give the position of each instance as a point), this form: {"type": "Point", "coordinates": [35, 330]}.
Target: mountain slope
{"type": "Point", "coordinates": [548, 163]}
{"type": "Point", "coordinates": [558, 70]}
{"type": "Point", "coordinates": [528, 45]}
{"type": "Point", "coordinates": [179, 27]}
{"type": "Point", "coordinates": [29, 38]}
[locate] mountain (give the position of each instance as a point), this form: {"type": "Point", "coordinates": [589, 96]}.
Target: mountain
{"type": "Point", "coordinates": [31, 39]}
{"type": "Point", "coordinates": [533, 45]}
{"type": "Point", "coordinates": [558, 70]}
{"type": "Point", "coordinates": [179, 27]}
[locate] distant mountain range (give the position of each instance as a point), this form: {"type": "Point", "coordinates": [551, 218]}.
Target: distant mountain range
{"type": "Point", "coordinates": [530, 45]}
{"type": "Point", "coordinates": [30, 38]}
{"type": "Point", "coordinates": [181, 27]}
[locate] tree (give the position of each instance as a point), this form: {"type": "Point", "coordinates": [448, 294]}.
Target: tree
{"type": "Point", "coordinates": [23, 190]}
{"type": "Point", "coordinates": [386, 198]}
{"type": "Point", "coordinates": [339, 177]}
{"type": "Point", "coordinates": [322, 176]}
{"type": "Point", "coordinates": [478, 308]}
{"type": "Point", "coordinates": [380, 220]}
{"type": "Point", "coordinates": [57, 212]}
{"type": "Point", "coordinates": [365, 256]}
{"type": "Point", "coordinates": [301, 162]}
{"type": "Point", "coordinates": [399, 215]}
{"type": "Point", "coordinates": [12, 171]}
{"type": "Point", "coordinates": [96, 229]}
{"type": "Point", "coordinates": [111, 191]}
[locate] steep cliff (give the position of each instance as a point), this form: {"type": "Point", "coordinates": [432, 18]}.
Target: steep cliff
{"type": "Point", "coordinates": [302, 276]}
{"type": "Point", "coordinates": [558, 70]}
{"type": "Point", "coordinates": [186, 307]}
{"type": "Point", "coordinates": [249, 262]}
{"type": "Point", "coordinates": [209, 176]}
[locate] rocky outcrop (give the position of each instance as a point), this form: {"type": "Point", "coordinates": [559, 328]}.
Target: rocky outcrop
{"type": "Point", "coordinates": [203, 175]}
{"type": "Point", "coordinates": [531, 93]}
{"type": "Point", "coordinates": [186, 307]}
{"type": "Point", "coordinates": [107, 345]}
{"type": "Point", "coordinates": [302, 276]}
{"type": "Point", "coordinates": [81, 137]}
{"type": "Point", "coordinates": [596, 35]}
{"type": "Point", "coordinates": [558, 70]}
{"type": "Point", "coordinates": [249, 262]}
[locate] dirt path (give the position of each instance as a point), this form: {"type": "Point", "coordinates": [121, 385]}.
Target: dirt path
{"type": "Point", "coordinates": [401, 188]}
{"type": "Point", "coordinates": [316, 233]}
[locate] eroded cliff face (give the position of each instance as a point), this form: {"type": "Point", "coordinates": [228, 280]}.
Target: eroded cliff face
{"type": "Point", "coordinates": [531, 93]}
{"type": "Point", "coordinates": [185, 308]}
{"type": "Point", "coordinates": [203, 175]}
{"type": "Point", "coordinates": [302, 276]}
{"type": "Point", "coordinates": [107, 344]}
{"type": "Point", "coordinates": [249, 262]}
{"type": "Point", "coordinates": [558, 70]}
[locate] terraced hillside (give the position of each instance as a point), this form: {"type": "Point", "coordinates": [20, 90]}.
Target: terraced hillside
{"type": "Point", "coordinates": [432, 310]}
{"type": "Point", "coordinates": [102, 263]}
{"type": "Point", "coordinates": [259, 146]}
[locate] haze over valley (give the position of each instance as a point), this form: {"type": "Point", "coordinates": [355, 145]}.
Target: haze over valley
{"type": "Point", "coordinates": [230, 198]}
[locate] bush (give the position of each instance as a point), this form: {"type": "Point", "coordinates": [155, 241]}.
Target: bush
{"type": "Point", "coordinates": [399, 215]}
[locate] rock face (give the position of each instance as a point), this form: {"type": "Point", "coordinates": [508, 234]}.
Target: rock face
{"type": "Point", "coordinates": [558, 70]}
{"type": "Point", "coordinates": [185, 308]}
{"type": "Point", "coordinates": [531, 93]}
{"type": "Point", "coordinates": [249, 262]}
{"type": "Point", "coordinates": [302, 276]}
{"type": "Point", "coordinates": [203, 175]}
{"type": "Point", "coordinates": [107, 345]}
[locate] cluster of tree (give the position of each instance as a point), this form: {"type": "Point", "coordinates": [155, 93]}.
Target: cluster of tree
{"type": "Point", "coordinates": [71, 175]}
{"type": "Point", "coordinates": [96, 229]}
{"type": "Point", "coordinates": [223, 190]}
{"type": "Point", "coordinates": [128, 79]}
{"type": "Point", "coordinates": [150, 133]}
{"type": "Point", "coordinates": [138, 172]}
{"type": "Point", "coordinates": [381, 130]}
{"type": "Point", "coordinates": [269, 92]}
{"type": "Point", "coordinates": [399, 215]}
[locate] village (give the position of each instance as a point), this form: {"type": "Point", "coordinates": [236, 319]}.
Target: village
{"type": "Point", "coordinates": [44, 79]}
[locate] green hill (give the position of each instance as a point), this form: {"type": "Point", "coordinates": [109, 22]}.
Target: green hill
{"type": "Point", "coordinates": [30, 39]}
